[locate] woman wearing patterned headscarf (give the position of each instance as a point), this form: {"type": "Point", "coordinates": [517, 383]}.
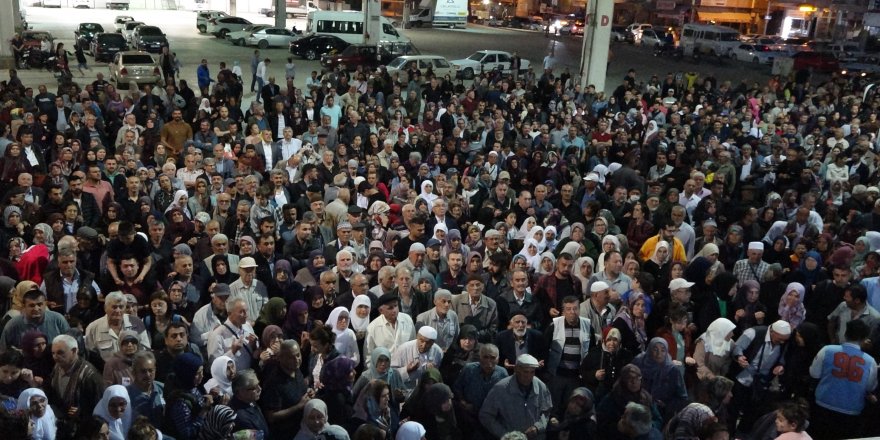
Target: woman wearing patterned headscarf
{"type": "Point", "coordinates": [218, 424]}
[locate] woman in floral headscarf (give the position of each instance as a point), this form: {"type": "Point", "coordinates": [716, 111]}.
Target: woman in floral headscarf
{"type": "Point", "coordinates": [791, 305]}
{"type": "Point", "coordinates": [630, 320]}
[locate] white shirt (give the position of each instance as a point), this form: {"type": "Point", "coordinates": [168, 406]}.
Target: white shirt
{"type": "Point", "coordinates": [289, 148]}
{"type": "Point", "coordinates": [204, 322]}
{"type": "Point", "coordinates": [220, 344]}
{"type": "Point", "coordinates": [380, 333]}
{"type": "Point", "coordinates": [262, 72]}
{"type": "Point", "coordinates": [408, 352]}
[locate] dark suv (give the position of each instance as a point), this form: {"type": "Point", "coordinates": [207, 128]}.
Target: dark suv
{"type": "Point", "coordinates": [106, 44]}
{"type": "Point", "coordinates": [149, 39]}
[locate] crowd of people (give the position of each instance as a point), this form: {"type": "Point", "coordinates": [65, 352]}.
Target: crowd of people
{"type": "Point", "coordinates": [402, 256]}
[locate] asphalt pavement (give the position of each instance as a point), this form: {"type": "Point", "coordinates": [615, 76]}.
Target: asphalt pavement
{"type": "Point", "coordinates": [191, 47]}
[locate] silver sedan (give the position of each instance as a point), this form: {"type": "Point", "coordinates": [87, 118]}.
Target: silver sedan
{"type": "Point", "coordinates": [262, 36]}
{"type": "Point", "coordinates": [134, 66]}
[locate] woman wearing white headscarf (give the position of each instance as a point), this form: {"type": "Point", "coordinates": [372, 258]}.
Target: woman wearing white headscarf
{"type": "Point", "coordinates": [537, 234]}
{"type": "Point", "coordinates": [613, 245]}
{"type": "Point", "coordinates": [713, 349]}
{"type": "Point", "coordinates": [346, 341]}
{"type": "Point", "coordinates": [547, 264]}
{"type": "Point", "coordinates": [34, 402]}
{"type": "Point", "coordinates": [551, 243]}
{"type": "Point", "coordinates": [181, 203]}
{"type": "Point", "coordinates": [115, 409]}
{"type": "Point", "coordinates": [222, 373]}
{"type": "Point", "coordinates": [440, 227]}
{"type": "Point", "coordinates": [314, 421]}
{"type": "Point", "coordinates": [527, 225]}
{"type": "Point", "coordinates": [359, 315]}
{"type": "Point", "coordinates": [530, 252]}
{"type": "Point", "coordinates": [411, 431]}
{"type": "Point", "coordinates": [428, 193]}
{"type": "Point", "coordinates": [583, 273]}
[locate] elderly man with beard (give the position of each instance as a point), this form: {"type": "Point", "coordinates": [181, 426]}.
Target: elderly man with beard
{"type": "Point", "coordinates": [508, 408]}
{"type": "Point", "coordinates": [518, 339]}
{"type": "Point", "coordinates": [412, 358]}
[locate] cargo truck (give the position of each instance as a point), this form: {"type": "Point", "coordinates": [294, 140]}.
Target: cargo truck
{"type": "Point", "coordinates": [451, 13]}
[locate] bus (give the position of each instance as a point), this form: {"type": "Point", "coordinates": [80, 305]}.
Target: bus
{"type": "Point", "coordinates": [349, 26]}
{"type": "Point", "coordinates": [708, 39]}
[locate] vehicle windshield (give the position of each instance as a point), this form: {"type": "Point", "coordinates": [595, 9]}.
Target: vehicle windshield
{"type": "Point", "coordinates": [113, 39]}
{"type": "Point", "coordinates": [150, 30]}
{"type": "Point", "coordinates": [132, 25]}
{"type": "Point", "coordinates": [477, 56]}
{"type": "Point", "coordinates": [396, 63]}
{"type": "Point", "coordinates": [256, 27]}
{"type": "Point", "coordinates": [137, 59]}
{"type": "Point", "coordinates": [91, 27]}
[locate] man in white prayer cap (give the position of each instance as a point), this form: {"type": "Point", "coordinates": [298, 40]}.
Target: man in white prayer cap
{"type": "Point", "coordinates": [752, 267]}
{"type": "Point", "coordinates": [412, 358]}
{"type": "Point", "coordinates": [760, 353]}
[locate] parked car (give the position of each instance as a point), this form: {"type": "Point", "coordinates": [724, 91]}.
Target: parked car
{"type": "Point", "coordinates": [107, 44]}
{"type": "Point", "coordinates": [484, 61]}
{"type": "Point", "coordinates": [368, 56]}
{"type": "Point", "coordinates": [356, 55]}
{"type": "Point", "coordinates": [634, 31]}
{"type": "Point", "coordinates": [655, 39]}
{"type": "Point", "coordinates": [618, 33]}
{"type": "Point", "coordinates": [816, 61]}
{"type": "Point", "coordinates": [846, 52]}
{"type": "Point", "coordinates": [861, 67]}
{"type": "Point", "coordinates": [262, 36]}
{"type": "Point", "coordinates": [149, 39]}
{"type": "Point", "coordinates": [438, 64]}
{"type": "Point", "coordinates": [33, 39]}
{"type": "Point", "coordinates": [220, 27]}
{"type": "Point", "coordinates": [312, 47]}
{"type": "Point", "coordinates": [121, 20]}
{"type": "Point", "coordinates": [753, 53]}
{"type": "Point", "coordinates": [202, 18]}
{"type": "Point", "coordinates": [128, 30]}
{"type": "Point", "coordinates": [86, 31]}
{"type": "Point", "coordinates": [137, 66]}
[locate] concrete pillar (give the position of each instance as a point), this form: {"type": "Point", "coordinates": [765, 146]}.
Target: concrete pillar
{"type": "Point", "coordinates": [8, 18]}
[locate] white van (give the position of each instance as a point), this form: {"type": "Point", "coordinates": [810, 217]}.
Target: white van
{"type": "Point", "coordinates": [349, 26]}
{"type": "Point", "coordinates": [708, 39]}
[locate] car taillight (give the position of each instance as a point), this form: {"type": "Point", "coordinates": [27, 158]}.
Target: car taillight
{"type": "Point", "coordinates": [156, 71]}
{"type": "Point", "coordinates": [124, 71]}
